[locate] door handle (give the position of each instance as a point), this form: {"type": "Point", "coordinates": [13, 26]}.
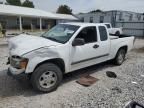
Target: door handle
{"type": "Point", "coordinates": [95, 46]}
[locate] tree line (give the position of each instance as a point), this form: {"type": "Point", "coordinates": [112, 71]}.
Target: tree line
{"type": "Point", "coordinates": [26, 3]}
{"type": "Point", "coordinates": [63, 9]}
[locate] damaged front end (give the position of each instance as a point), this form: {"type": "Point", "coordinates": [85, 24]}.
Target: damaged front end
{"type": "Point", "coordinates": [17, 64]}
{"type": "Point", "coordinates": [24, 52]}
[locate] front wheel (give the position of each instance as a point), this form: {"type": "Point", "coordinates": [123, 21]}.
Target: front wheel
{"type": "Point", "coordinates": [120, 57]}
{"type": "Point", "coordinates": [46, 77]}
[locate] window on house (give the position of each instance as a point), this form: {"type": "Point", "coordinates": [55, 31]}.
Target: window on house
{"type": "Point", "coordinates": [139, 17]}
{"type": "Point", "coordinates": [91, 19]}
{"type": "Point", "coordinates": [120, 16]}
{"type": "Point", "coordinates": [18, 22]}
{"type": "Point", "coordinates": [101, 19]}
{"type": "Point", "coordinates": [34, 21]}
{"type": "Point", "coordinates": [89, 34]}
{"type": "Point", "coordinates": [103, 33]}
{"type": "Point", "coordinates": [82, 19]}
{"type": "Point", "coordinates": [130, 17]}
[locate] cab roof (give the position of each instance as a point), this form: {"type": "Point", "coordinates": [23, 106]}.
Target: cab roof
{"type": "Point", "coordinates": [84, 24]}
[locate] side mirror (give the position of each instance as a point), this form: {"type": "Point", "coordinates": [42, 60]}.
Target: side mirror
{"type": "Point", "coordinates": [78, 42]}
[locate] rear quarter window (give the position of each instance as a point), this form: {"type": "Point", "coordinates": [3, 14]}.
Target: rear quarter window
{"type": "Point", "coordinates": [103, 33]}
{"type": "Point", "coordinates": [108, 25]}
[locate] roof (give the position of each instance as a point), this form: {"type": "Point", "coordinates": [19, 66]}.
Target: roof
{"type": "Point", "coordinates": [31, 12]}
{"type": "Point", "coordinates": [84, 24]}
{"type": "Point", "coordinates": [123, 11]}
{"type": "Point", "coordinates": [110, 11]}
{"type": "Point", "coordinates": [106, 23]}
{"type": "Point", "coordinates": [66, 16]}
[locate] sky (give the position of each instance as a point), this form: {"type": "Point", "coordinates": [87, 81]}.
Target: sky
{"type": "Point", "coordinates": [87, 5]}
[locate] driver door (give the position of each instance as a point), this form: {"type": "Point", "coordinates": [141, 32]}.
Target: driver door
{"type": "Point", "coordinates": [85, 55]}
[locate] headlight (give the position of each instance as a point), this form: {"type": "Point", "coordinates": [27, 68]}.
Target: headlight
{"type": "Point", "coordinates": [18, 62]}
{"type": "Point", "coordinates": [23, 63]}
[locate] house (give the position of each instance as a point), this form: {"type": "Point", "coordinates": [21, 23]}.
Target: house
{"type": "Point", "coordinates": [22, 18]}
{"type": "Point", "coordinates": [112, 16]}
{"type": "Point", "coordinates": [131, 22]}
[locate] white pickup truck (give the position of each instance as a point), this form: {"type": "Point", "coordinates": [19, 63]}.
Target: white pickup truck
{"type": "Point", "coordinates": [111, 30]}
{"type": "Point", "coordinates": [64, 48]}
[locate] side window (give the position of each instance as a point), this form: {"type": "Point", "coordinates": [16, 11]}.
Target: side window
{"type": "Point", "coordinates": [89, 34]}
{"type": "Point", "coordinates": [103, 33]}
{"type": "Point", "coordinates": [108, 25]}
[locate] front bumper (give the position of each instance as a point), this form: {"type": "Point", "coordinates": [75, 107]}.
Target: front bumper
{"type": "Point", "coordinates": [14, 72]}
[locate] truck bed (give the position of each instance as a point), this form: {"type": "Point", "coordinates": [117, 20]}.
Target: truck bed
{"type": "Point", "coordinates": [118, 41]}
{"type": "Point", "coordinates": [112, 36]}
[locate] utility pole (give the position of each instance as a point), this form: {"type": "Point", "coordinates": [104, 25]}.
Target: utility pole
{"type": "Point", "coordinates": [143, 24]}
{"type": "Point", "coordinates": [115, 18]}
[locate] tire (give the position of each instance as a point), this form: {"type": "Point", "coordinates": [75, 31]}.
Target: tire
{"type": "Point", "coordinates": [120, 57]}
{"type": "Point", "coordinates": [46, 78]}
{"type": "Point", "coordinates": [117, 33]}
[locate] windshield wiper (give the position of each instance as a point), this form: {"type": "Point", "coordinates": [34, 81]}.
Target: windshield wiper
{"type": "Point", "coordinates": [51, 38]}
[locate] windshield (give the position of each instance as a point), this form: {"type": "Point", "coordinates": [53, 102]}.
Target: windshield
{"type": "Point", "coordinates": [61, 33]}
{"type": "Point", "coordinates": [108, 25]}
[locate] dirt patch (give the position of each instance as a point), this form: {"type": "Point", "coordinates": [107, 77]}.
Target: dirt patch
{"type": "Point", "coordinates": [139, 50]}
{"type": "Point", "coordinates": [87, 80]}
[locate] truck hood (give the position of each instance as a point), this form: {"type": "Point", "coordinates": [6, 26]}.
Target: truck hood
{"type": "Point", "coordinates": [23, 43]}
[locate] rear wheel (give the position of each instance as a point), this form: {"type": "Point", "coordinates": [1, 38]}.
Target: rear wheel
{"type": "Point", "coordinates": [120, 57]}
{"type": "Point", "coordinates": [117, 33]}
{"type": "Point", "coordinates": [46, 77]}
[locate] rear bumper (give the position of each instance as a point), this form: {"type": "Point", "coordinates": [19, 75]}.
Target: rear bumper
{"type": "Point", "coordinates": [14, 72]}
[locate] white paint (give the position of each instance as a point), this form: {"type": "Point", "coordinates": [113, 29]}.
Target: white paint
{"type": "Point", "coordinates": [25, 43]}
{"type": "Point", "coordinates": [112, 30]}
{"type": "Point", "coordinates": [142, 75]}
{"type": "Point", "coordinates": [40, 24]}
{"type": "Point", "coordinates": [20, 23]}
{"type": "Point", "coordinates": [133, 82]}
{"type": "Point", "coordinates": [38, 49]}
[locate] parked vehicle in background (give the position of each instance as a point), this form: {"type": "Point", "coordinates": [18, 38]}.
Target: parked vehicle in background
{"type": "Point", "coordinates": [63, 49]}
{"type": "Point", "coordinates": [111, 30]}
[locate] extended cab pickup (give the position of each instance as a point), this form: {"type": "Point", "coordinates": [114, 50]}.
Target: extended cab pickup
{"type": "Point", "coordinates": [64, 48]}
{"type": "Point", "coordinates": [111, 30]}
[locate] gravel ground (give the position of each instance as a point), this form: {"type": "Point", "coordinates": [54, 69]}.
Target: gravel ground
{"type": "Point", "coordinates": [105, 93]}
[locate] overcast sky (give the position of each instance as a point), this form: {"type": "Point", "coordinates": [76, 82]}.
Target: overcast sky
{"type": "Point", "coordinates": [88, 5]}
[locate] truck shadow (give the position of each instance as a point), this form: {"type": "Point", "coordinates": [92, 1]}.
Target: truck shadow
{"type": "Point", "coordinates": [139, 50]}
{"type": "Point", "coordinates": [86, 71]}
{"type": "Point", "coordinates": [20, 86]}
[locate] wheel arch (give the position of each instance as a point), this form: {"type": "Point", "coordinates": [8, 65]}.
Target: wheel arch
{"type": "Point", "coordinates": [117, 32]}
{"type": "Point", "coordinates": [57, 61]}
{"type": "Point", "coordinates": [125, 47]}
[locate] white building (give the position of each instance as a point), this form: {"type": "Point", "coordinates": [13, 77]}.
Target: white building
{"type": "Point", "coordinates": [22, 18]}
{"type": "Point", "coordinates": [111, 16]}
